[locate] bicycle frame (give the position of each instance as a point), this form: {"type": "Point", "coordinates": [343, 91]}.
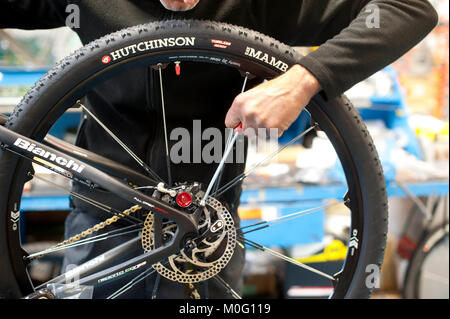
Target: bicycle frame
{"type": "Point", "coordinates": [85, 167]}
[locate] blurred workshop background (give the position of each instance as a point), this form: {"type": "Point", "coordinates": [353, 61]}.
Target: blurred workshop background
{"type": "Point", "coordinates": [406, 110]}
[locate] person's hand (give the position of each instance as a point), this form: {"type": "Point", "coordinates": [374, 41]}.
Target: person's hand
{"type": "Point", "coordinates": [179, 5]}
{"type": "Point", "coordinates": [274, 104]}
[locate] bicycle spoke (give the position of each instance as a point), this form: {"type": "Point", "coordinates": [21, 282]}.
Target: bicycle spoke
{"type": "Point", "coordinates": [143, 275]}
{"type": "Point", "coordinates": [115, 212]}
{"type": "Point", "coordinates": [132, 283]}
{"type": "Point", "coordinates": [78, 274]}
{"type": "Point", "coordinates": [90, 240]}
{"type": "Point", "coordinates": [227, 287]}
{"type": "Point", "coordinates": [228, 147]}
{"type": "Point", "coordinates": [230, 136]}
{"type": "Point", "coordinates": [135, 222]}
{"type": "Point", "coordinates": [122, 144]}
{"type": "Point", "coordinates": [285, 258]}
{"type": "Point", "coordinates": [219, 168]}
{"type": "Point", "coordinates": [266, 223]}
{"type": "Point", "coordinates": [163, 108]}
{"type": "Point", "coordinates": [240, 177]}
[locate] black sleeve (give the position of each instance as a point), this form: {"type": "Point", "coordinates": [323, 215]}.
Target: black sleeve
{"type": "Point", "coordinates": [358, 51]}
{"type": "Point", "coordinates": [349, 51]}
{"type": "Point", "coordinates": [32, 14]}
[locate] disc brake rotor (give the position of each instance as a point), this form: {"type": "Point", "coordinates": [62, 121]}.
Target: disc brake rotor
{"type": "Point", "coordinates": [208, 257]}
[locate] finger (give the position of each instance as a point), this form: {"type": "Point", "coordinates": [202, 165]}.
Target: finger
{"type": "Point", "coordinates": [232, 119]}
{"type": "Point", "coordinates": [280, 132]}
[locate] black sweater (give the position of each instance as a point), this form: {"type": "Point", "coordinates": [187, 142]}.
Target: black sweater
{"type": "Point", "coordinates": [349, 51]}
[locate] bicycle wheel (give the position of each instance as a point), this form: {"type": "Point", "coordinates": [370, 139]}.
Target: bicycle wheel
{"type": "Point", "coordinates": [197, 41]}
{"type": "Point", "coordinates": [427, 273]}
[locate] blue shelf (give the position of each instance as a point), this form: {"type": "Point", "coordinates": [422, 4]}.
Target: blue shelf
{"type": "Point", "coordinates": [15, 76]}
{"type": "Point", "coordinates": [327, 192]}
{"type": "Point", "coordinates": [45, 203]}
{"type": "Point", "coordinates": [305, 230]}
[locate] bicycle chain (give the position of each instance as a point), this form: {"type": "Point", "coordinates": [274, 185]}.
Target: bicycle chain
{"type": "Point", "coordinates": [93, 229]}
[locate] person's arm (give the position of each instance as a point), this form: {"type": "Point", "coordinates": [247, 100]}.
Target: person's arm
{"type": "Point", "coordinates": [349, 52]}
{"type": "Point", "coordinates": [32, 14]}
{"type": "Point", "coordinates": [358, 51]}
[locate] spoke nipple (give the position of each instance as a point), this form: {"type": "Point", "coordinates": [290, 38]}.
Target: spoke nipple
{"type": "Point", "coordinates": [177, 68]}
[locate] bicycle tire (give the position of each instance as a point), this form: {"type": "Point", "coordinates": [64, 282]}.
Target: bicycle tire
{"type": "Point", "coordinates": [428, 245]}
{"type": "Point", "coordinates": [63, 85]}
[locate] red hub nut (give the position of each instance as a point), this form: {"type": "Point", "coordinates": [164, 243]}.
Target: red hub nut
{"type": "Point", "coordinates": [184, 199]}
